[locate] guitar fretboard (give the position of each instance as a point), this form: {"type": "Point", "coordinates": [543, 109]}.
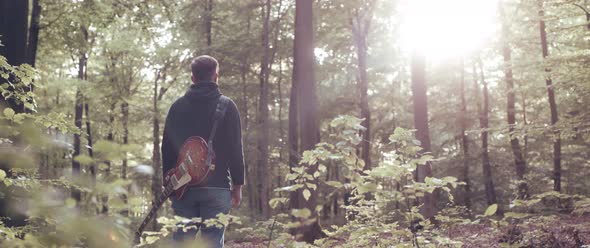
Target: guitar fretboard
{"type": "Point", "coordinates": [155, 206]}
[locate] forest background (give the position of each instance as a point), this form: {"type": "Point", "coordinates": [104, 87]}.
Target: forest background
{"type": "Point", "coordinates": [366, 123]}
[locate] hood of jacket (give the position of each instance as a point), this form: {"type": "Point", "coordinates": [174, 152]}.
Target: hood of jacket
{"type": "Point", "coordinates": [203, 91]}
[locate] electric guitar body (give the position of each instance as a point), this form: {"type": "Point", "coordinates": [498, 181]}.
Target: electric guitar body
{"type": "Point", "coordinates": [191, 169]}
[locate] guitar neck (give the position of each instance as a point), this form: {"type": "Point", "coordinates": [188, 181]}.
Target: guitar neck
{"type": "Point", "coordinates": [155, 207]}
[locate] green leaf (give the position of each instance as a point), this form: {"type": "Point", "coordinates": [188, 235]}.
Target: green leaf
{"type": "Point", "coordinates": [9, 113]}
{"type": "Point", "coordinates": [70, 203]}
{"type": "Point", "coordinates": [491, 210]}
{"type": "Point", "coordinates": [301, 213]}
{"type": "Point", "coordinates": [84, 159]}
{"type": "Point", "coordinates": [290, 187]}
{"type": "Point", "coordinates": [274, 202]}
{"type": "Point", "coordinates": [306, 194]}
{"type": "Point", "coordinates": [2, 174]}
{"type": "Point", "coordinates": [335, 184]}
{"type": "Point", "coordinates": [151, 239]}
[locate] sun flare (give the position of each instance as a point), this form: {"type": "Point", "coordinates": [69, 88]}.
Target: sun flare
{"type": "Point", "coordinates": [447, 29]}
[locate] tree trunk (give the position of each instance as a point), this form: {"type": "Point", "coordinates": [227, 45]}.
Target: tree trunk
{"type": "Point", "coordinates": [465, 139]}
{"type": "Point", "coordinates": [78, 112]}
{"type": "Point", "coordinates": [520, 163]}
{"type": "Point", "coordinates": [293, 133]}
{"type": "Point", "coordinates": [89, 140]}
{"type": "Point", "coordinates": [484, 125]}
{"type": "Point", "coordinates": [281, 128]}
{"type": "Point", "coordinates": [360, 28]}
{"type": "Point", "coordinates": [14, 29]}
{"type": "Point", "coordinates": [552, 104]}
{"type": "Point", "coordinates": [13, 34]}
{"type": "Point", "coordinates": [110, 138]}
{"type": "Point", "coordinates": [125, 122]}
{"type": "Point", "coordinates": [263, 118]}
{"type": "Point", "coordinates": [209, 23]}
{"type": "Point", "coordinates": [33, 33]}
{"type": "Point", "coordinates": [156, 157]}
{"type": "Point", "coordinates": [303, 75]}
{"type": "Point", "coordinates": [421, 124]}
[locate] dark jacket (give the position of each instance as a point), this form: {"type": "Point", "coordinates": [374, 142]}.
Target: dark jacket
{"type": "Point", "coordinates": [192, 115]}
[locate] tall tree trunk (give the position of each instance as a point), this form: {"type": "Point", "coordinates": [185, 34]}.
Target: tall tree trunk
{"type": "Point", "coordinates": [156, 157]}
{"type": "Point", "coordinates": [14, 29]}
{"type": "Point", "coordinates": [520, 163]}
{"type": "Point", "coordinates": [485, 157]}
{"type": "Point", "coordinates": [303, 75]}
{"type": "Point", "coordinates": [293, 133]}
{"type": "Point", "coordinates": [360, 28]}
{"type": "Point", "coordinates": [209, 23]}
{"type": "Point", "coordinates": [244, 69]}
{"type": "Point", "coordinates": [263, 118]}
{"type": "Point", "coordinates": [125, 122]}
{"type": "Point", "coordinates": [281, 126]}
{"type": "Point", "coordinates": [13, 34]}
{"type": "Point", "coordinates": [465, 139]}
{"type": "Point", "coordinates": [33, 33]}
{"type": "Point", "coordinates": [110, 138]}
{"type": "Point", "coordinates": [552, 104]}
{"type": "Point", "coordinates": [78, 112]}
{"type": "Point", "coordinates": [89, 139]}
{"type": "Point", "coordinates": [420, 100]}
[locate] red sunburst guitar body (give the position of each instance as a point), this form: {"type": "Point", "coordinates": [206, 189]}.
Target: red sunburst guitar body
{"type": "Point", "coordinates": [192, 156]}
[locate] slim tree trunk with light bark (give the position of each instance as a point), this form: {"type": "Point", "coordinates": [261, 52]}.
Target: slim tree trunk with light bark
{"type": "Point", "coordinates": [465, 139]}
{"type": "Point", "coordinates": [78, 112]}
{"type": "Point", "coordinates": [420, 100]}
{"type": "Point", "coordinates": [263, 118]}
{"type": "Point", "coordinates": [485, 157]}
{"type": "Point", "coordinates": [552, 104]}
{"type": "Point", "coordinates": [519, 162]}
{"type": "Point", "coordinates": [360, 28]}
{"type": "Point", "coordinates": [89, 140]}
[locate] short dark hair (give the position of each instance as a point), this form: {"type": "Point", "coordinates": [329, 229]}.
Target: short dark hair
{"type": "Point", "coordinates": [204, 67]}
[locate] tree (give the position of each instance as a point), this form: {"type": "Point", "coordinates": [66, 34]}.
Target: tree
{"type": "Point", "coordinates": [552, 103]}
{"type": "Point", "coordinates": [520, 163]}
{"type": "Point", "coordinates": [361, 22]}
{"type": "Point", "coordinates": [484, 125]}
{"type": "Point", "coordinates": [209, 23]}
{"type": "Point", "coordinates": [263, 118]}
{"type": "Point", "coordinates": [19, 41]}
{"type": "Point", "coordinates": [464, 138]}
{"type": "Point", "coordinates": [79, 111]}
{"type": "Point", "coordinates": [307, 105]}
{"type": "Point", "coordinates": [420, 101]}
{"type": "Point", "coordinates": [33, 39]}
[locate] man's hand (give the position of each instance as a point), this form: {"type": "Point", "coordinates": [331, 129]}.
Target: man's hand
{"type": "Point", "coordinates": [236, 196]}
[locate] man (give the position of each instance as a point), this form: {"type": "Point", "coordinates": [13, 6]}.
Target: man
{"type": "Point", "coordinates": [192, 115]}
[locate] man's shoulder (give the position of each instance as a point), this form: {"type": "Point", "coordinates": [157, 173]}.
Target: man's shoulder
{"type": "Point", "coordinates": [231, 105]}
{"type": "Point", "coordinates": [176, 106]}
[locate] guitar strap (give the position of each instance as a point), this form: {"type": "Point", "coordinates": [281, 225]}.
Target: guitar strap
{"type": "Point", "coordinates": [217, 117]}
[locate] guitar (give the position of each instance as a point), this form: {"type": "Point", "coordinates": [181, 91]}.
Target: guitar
{"type": "Point", "coordinates": [195, 162]}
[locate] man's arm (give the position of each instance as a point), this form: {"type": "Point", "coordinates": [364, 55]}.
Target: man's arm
{"type": "Point", "coordinates": [236, 154]}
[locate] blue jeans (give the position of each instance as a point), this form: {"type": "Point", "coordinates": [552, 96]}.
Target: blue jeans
{"type": "Point", "coordinates": [204, 203]}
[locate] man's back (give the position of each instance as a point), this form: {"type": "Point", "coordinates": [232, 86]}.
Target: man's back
{"type": "Point", "coordinates": [192, 115]}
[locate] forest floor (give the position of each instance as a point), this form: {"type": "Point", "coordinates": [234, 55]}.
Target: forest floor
{"type": "Point", "coordinates": [562, 231]}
